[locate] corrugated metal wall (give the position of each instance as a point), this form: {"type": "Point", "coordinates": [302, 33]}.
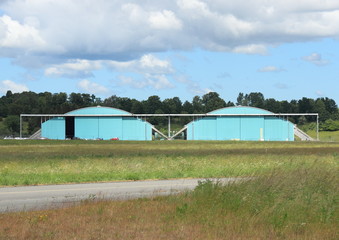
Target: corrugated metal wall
{"type": "Point", "coordinates": [54, 128]}
{"type": "Point", "coordinates": [248, 128]}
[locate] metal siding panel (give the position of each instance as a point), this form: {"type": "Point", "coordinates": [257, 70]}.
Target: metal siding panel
{"type": "Point", "coordinates": [133, 129]}
{"type": "Point", "coordinates": [197, 130]}
{"type": "Point", "coordinates": [290, 131]}
{"type": "Point", "coordinates": [284, 130]}
{"type": "Point", "coordinates": [211, 128]}
{"type": "Point", "coordinates": [242, 128]}
{"type": "Point", "coordinates": [250, 128]}
{"type": "Point", "coordinates": [205, 129]}
{"type": "Point", "coordinates": [54, 128]}
{"type": "Point", "coordinates": [86, 127]}
{"type": "Point", "coordinates": [136, 129]}
{"type": "Point", "coordinates": [193, 130]}
{"type": "Point", "coordinates": [110, 127]}
{"type": "Point", "coordinates": [228, 128]}
{"type": "Point", "coordinates": [277, 129]}
{"type": "Point", "coordinates": [273, 129]}
{"type": "Point", "coordinates": [189, 131]}
{"type": "Point", "coordinates": [149, 131]}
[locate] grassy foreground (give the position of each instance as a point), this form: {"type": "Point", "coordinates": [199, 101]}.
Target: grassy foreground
{"type": "Point", "coordinates": [293, 196]}
{"type": "Point", "coordinates": [295, 204]}
{"type": "Point", "coordinates": [55, 162]}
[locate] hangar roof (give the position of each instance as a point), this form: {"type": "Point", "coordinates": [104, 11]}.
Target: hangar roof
{"type": "Point", "coordinates": [240, 110]}
{"type": "Point", "coordinates": [98, 111]}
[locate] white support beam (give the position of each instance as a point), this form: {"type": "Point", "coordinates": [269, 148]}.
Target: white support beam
{"type": "Point", "coordinates": [160, 133]}
{"type": "Point", "coordinates": [180, 131]}
{"type": "Point", "coordinates": [167, 115]}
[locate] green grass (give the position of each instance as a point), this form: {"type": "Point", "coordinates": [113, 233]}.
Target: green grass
{"type": "Point", "coordinates": [325, 136]}
{"type": "Point", "coordinates": [56, 162]}
{"type": "Point", "coordinates": [292, 204]}
{"type": "Point", "coordinates": [293, 193]}
{"type": "Point", "coordinates": [298, 203]}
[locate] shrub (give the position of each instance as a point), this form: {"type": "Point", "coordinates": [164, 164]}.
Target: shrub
{"type": "Point", "coordinates": [330, 125]}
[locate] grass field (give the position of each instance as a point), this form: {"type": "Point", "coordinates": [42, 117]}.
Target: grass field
{"type": "Point", "coordinates": [294, 194]}
{"type": "Point", "coordinates": [54, 162]}
{"type": "Point", "coordinates": [325, 136]}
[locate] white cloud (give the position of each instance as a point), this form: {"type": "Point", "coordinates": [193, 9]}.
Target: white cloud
{"type": "Point", "coordinates": [157, 82]}
{"type": "Point", "coordinates": [152, 71]}
{"type": "Point", "coordinates": [147, 64]}
{"type": "Point", "coordinates": [16, 35]}
{"type": "Point", "coordinates": [164, 20]}
{"type": "Point", "coordinates": [92, 87]}
{"type": "Point", "coordinates": [192, 86]}
{"type": "Point", "coordinates": [251, 49]}
{"type": "Point", "coordinates": [151, 64]}
{"type": "Point", "coordinates": [316, 59]}
{"type": "Point", "coordinates": [271, 69]}
{"type": "Point", "coordinates": [77, 68]}
{"type": "Point", "coordinates": [6, 85]}
{"type": "Point", "coordinates": [319, 93]}
{"type": "Point", "coordinates": [281, 86]}
{"type": "Point", "coordinates": [160, 82]}
{"type": "Point", "coordinates": [120, 31]}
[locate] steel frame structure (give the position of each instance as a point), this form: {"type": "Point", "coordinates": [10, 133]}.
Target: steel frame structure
{"type": "Point", "coordinates": [169, 117]}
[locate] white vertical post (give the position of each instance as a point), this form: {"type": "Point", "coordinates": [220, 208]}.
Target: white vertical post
{"type": "Point", "coordinates": [146, 130]}
{"type": "Point", "coordinates": [20, 126]}
{"type": "Point", "coordinates": [169, 127]}
{"type": "Point", "coordinates": [317, 127]}
{"type": "Point", "coordinates": [193, 129]}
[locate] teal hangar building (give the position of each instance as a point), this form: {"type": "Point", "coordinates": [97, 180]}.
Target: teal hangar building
{"type": "Point", "coordinates": [97, 123]}
{"type": "Point", "coordinates": [240, 123]}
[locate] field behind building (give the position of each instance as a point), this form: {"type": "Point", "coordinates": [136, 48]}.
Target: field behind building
{"type": "Point", "coordinates": [293, 195]}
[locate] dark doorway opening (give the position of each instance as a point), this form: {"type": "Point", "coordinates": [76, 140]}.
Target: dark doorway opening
{"type": "Point", "coordinates": [70, 127]}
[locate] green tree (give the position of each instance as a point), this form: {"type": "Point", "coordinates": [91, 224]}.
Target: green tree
{"type": "Point", "coordinates": [240, 99]}
{"type": "Point", "coordinates": [187, 107]}
{"type": "Point", "coordinates": [320, 108]}
{"type": "Point", "coordinates": [172, 105]}
{"type": "Point", "coordinates": [330, 125]}
{"type": "Point", "coordinates": [137, 107]}
{"type": "Point", "coordinates": [197, 105]}
{"type": "Point", "coordinates": [12, 123]}
{"type": "Point", "coordinates": [256, 99]}
{"type": "Point", "coordinates": [212, 101]}
{"type": "Point", "coordinates": [272, 105]}
{"type": "Point", "coordinates": [152, 104]}
{"type": "Point", "coordinates": [76, 100]}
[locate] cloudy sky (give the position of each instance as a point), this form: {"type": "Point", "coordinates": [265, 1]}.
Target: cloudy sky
{"type": "Point", "coordinates": [286, 49]}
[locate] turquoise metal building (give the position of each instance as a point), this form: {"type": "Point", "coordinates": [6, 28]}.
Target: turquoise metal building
{"type": "Point", "coordinates": [97, 123]}
{"type": "Point", "coordinates": [241, 123]}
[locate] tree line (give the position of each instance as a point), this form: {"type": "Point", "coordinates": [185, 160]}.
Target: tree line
{"type": "Point", "coordinates": [14, 104]}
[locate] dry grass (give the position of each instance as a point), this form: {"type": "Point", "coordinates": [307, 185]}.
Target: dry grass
{"type": "Point", "coordinates": [147, 219]}
{"type": "Point", "coordinates": [298, 204]}
{"type": "Point", "coordinates": [294, 194]}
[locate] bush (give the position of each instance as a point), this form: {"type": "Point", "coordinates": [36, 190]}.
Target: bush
{"type": "Point", "coordinates": [330, 125]}
{"type": "Point", "coordinates": [13, 123]}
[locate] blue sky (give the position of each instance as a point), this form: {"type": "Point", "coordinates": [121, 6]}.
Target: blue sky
{"type": "Point", "coordinates": [285, 49]}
